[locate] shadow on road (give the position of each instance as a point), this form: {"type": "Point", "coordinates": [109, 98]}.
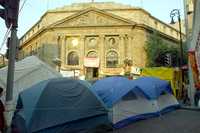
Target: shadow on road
{"type": "Point", "coordinates": [179, 121]}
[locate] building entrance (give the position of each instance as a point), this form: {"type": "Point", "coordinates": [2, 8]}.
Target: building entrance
{"type": "Point", "coordinates": [92, 73]}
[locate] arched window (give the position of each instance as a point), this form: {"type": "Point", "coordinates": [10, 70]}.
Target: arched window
{"type": "Point", "coordinates": [92, 54]}
{"type": "Point", "coordinates": [73, 58]}
{"type": "Point", "coordinates": [112, 59]}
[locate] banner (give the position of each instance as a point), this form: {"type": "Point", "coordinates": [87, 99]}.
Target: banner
{"type": "Point", "coordinates": [194, 67]}
{"type": "Point", "coordinates": [197, 52]}
{"type": "Point", "coordinates": [91, 62]}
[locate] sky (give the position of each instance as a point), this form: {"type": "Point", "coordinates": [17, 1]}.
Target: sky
{"type": "Point", "coordinates": [34, 9]}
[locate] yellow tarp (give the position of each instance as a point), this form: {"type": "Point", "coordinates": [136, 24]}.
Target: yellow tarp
{"type": "Point", "coordinates": [164, 73]}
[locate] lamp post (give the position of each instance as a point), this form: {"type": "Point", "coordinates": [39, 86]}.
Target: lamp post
{"type": "Point", "coordinates": [176, 12]}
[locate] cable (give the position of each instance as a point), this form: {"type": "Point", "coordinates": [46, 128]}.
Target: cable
{"type": "Point", "coordinates": [6, 36]}
{"type": "Point", "coordinates": [22, 6]}
{"type": "Point", "coordinates": [9, 29]}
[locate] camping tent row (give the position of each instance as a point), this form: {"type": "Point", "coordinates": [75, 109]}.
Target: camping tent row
{"type": "Point", "coordinates": [79, 107]}
{"type": "Point", "coordinates": [132, 100]}
{"type": "Point", "coordinates": [126, 100]}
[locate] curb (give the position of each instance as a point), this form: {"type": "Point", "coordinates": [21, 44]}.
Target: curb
{"type": "Point", "coordinates": [190, 108]}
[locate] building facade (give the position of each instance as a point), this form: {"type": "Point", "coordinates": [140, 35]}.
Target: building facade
{"type": "Point", "coordinates": [94, 39]}
{"type": "Point", "coordinates": [2, 61]}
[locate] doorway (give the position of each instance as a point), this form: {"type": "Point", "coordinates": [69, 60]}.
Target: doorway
{"type": "Point", "coordinates": [92, 73]}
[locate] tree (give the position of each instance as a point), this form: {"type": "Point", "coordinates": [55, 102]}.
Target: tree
{"type": "Point", "coordinates": [157, 50]}
{"type": "Point", "coordinates": [2, 65]}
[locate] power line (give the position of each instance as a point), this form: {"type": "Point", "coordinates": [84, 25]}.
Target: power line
{"type": "Point", "coordinates": [22, 6]}
{"type": "Point", "coordinates": [9, 29]}
{"type": "Point", "coordinates": [6, 37]}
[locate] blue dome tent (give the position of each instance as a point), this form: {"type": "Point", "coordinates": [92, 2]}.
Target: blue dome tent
{"type": "Point", "coordinates": [59, 105]}
{"type": "Point", "coordinates": [132, 100]}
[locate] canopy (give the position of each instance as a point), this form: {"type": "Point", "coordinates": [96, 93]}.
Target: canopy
{"type": "Point", "coordinates": [54, 104]}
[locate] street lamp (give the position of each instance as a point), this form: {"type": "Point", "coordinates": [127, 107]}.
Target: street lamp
{"type": "Point", "coordinates": [176, 12]}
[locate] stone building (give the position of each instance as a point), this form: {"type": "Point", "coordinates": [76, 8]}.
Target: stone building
{"type": "Point", "coordinates": [94, 39]}
{"type": "Point", "coordinates": [2, 61]}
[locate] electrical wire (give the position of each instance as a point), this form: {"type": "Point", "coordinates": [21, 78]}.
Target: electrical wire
{"type": "Point", "coordinates": [9, 29]}
{"type": "Point", "coordinates": [6, 37]}
{"type": "Point", "coordinates": [22, 6]}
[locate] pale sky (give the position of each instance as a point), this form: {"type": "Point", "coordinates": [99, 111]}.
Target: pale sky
{"type": "Point", "coordinates": [34, 9]}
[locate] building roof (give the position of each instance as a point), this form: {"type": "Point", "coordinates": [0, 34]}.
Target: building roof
{"type": "Point", "coordinates": [99, 5]}
{"type": "Point", "coordinates": [114, 9]}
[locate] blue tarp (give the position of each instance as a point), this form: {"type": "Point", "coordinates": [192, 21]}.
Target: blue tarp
{"type": "Point", "coordinates": [59, 105]}
{"type": "Point", "coordinates": [112, 89]}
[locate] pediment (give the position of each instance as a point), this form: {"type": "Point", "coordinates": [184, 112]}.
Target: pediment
{"type": "Point", "coordinates": [92, 17]}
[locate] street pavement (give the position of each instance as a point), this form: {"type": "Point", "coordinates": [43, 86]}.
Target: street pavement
{"type": "Point", "coordinates": [179, 121]}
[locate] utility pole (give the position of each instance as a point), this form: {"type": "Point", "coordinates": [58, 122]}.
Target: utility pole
{"type": "Point", "coordinates": [11, 64]}
{"type": "Point", "coordinates": [10, 14]}
{"type": "Point", "coordinates": [176, 12]}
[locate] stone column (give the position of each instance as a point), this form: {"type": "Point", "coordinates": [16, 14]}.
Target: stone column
{"type": "Point", "coordinates": [102, 51]}
{"type": "Point", "coordinates": [82, 54]}
{"type": "Point", "coordinates": [63, 51]}
{"type": "Point", "coordinates": [129, 47]}
{"type": "Point", "coordinates": [122, 48]}
{"type": "Point", "coordinates": [59, 47]}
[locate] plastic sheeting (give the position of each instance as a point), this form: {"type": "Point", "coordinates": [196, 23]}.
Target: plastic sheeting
{"type": "Point", "coordinates": [169, 74]}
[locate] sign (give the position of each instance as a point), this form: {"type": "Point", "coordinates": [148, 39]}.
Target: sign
{"type": "Point", "coordinates": [71, 73]}
{"type": "Point", "coordinates": [198, 51]}
{"type": "Point", "coordinates": [194, 67]}
{"type": "Point", "coordinates": [135, 70]}
{"type": "Point", "coordinates": [91, 62]}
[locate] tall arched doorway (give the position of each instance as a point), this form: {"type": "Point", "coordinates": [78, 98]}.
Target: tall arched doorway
{"type": "Point", "coordinates": [92, 65]}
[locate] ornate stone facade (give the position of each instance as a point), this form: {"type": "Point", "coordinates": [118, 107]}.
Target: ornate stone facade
{"type": "Point", "coordinates": [94, 41]}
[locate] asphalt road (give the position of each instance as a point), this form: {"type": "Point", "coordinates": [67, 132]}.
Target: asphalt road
{"type": "Point", "coordinates": [179, 121]}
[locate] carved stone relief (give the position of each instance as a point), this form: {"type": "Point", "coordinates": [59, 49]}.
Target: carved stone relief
{"type": "Point", "coordinates": [112, 42]}
{"type": "Point", "coordinates": [92, 42]}
{"type": "Point", "coordinates": [92, 18]}
{"type": "Point", "coordinates": [72, 43]}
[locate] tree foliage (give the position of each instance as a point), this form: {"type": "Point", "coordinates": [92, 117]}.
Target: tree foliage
{"type": "Point", "coordinates": [156, 50]}
{"type": "Point", "coordinates": [2, 65]}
